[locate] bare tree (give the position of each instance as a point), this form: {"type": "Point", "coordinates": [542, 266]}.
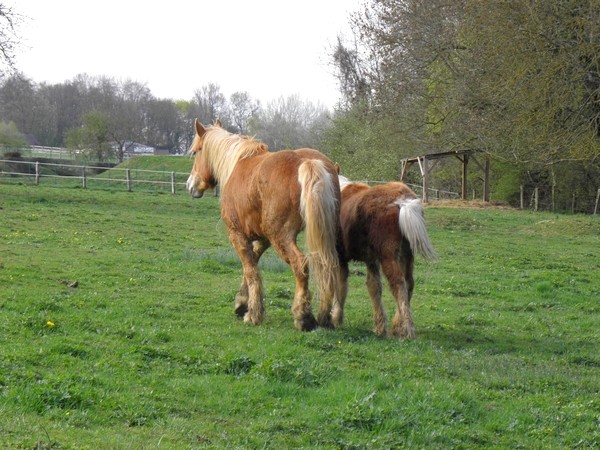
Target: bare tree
{"type": "Point", "coordinates": [350, 71]}
{"type": "Point", "coordinates": [163, 129]}
{"type": "Point", "coordinates": [9, 40]}
{"type": "Point", "coordinates": [209, 103]}
{"type": "Point", "coordinates": [242, 108]}
{"type": "Point", "coordinates": [289, 122]}
{"type": "Point", "coordinates": [126, 114]}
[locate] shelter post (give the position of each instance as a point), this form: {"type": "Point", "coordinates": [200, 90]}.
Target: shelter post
{"type": "Point", "coordinates": [425, 173]}
{"type": "Point", "coordinates": [486, 179]}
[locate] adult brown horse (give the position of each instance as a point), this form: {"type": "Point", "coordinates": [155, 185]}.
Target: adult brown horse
{"type": "Point", "coordinates": [267, 199]}
{"type": "Point", "coordinates": [383, 226]}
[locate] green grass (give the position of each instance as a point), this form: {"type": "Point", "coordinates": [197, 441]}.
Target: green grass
{"type": "Point", "coordinates": [117, 331]}
{"type": "Point", "coordinates": [167, 163]}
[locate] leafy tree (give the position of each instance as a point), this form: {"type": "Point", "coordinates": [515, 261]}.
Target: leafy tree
{"type": "Point", "coordinates": [93, 139]}
{"type": "Point", "coordinates": [361, 148]}
{"type": "Point", "coordinates": [186, 111]}
{"type": "Point", "coordinates": [519, 79]}
{"type": "Point", "coordinates": [541, 92]}
{"type": "Point", "coordinates": [10, 136]}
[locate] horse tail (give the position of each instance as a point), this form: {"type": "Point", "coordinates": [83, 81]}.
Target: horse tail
{"type": "Point", "coordinates": [412, 226]}
{"type": "Point", "coordinates": [320, 210]}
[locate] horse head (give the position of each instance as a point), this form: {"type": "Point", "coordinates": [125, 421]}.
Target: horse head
{"type": "Point", "coordinates": [201, 176]}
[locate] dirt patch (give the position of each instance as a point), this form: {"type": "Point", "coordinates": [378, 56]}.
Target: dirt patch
{"type": "Point", "coordinates": [479, 204]}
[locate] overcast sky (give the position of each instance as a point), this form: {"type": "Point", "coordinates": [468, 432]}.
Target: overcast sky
{"type": "Point", "coordinates": [267, 48]}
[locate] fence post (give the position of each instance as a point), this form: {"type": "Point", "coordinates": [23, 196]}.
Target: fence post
{"type": "Point", "coordinates": [172, 182]}
{"type": "Point", "coordinates": [573, 204]}
{"type": "Point", "coordinates": [522, 197]}
{"type": "Point", "coordinates": [535, 198]}
{"type": "Point", "coordinates": [597, 200]}
{"type": "Point", "coordinates": [128, 175]}
{"type": "Point", "coordinates": [425, 170]}
{"type": "Point", "coordinates": [486, 178]}
{"type": "Point", "coordinates": [37, 173]}
{"type": "Point", "coordinates": [83, 177]}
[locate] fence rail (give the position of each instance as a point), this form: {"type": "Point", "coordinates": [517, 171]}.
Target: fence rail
{"type": "Point", "coordinates": [85, 175]}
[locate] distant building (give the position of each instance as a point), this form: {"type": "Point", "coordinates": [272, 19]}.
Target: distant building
{"type": "Point", "coordinates": [137, 149]}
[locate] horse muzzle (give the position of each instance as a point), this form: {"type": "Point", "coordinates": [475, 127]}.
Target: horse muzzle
{"type": "Point", "coordinates": [192, 189]}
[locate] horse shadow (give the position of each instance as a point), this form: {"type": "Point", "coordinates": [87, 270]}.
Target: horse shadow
{"type": "Point", "coordinates": [467, 337]}
{"type": "Point", "coordinates": [496, 342]}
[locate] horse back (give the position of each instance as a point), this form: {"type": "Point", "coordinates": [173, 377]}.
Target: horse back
{"type": "Point", "coordinates": [262, 195]}
{"type": "Point", "coordinates": [369, 220]}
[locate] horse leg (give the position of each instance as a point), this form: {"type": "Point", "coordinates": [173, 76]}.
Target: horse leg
{"type": "Point", "coordinates": [301, 306]}
{"type": "Point", "coordinates": [252, 279]}
{"type": "Point", "coordinates": [374, 288]}
{"type": "Point", "coordinates": [337, 312]}
{"type": "Point", "coordinates": [241, 298]}
{"type": "Point", "coordinates": [402, 324]}
{"type": "Point", "coordinates": [408, 271]}
{"type": "Point", "coordinates": [326, 305]}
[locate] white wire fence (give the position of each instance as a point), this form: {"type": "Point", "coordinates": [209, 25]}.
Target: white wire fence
{"type": "Point", "coordinates": [89, 176]}
{"type": "Point", "coordinates": [130, 179]}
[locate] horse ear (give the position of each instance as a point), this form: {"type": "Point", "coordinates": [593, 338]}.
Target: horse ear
{"type": "Point", "coordinates": [218, 123]}
{"type": "Point", "coordinates": [200, 130]}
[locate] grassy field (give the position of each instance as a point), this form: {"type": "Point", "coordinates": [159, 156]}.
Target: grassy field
{"type": "Point", "coordinates": [117, 331]}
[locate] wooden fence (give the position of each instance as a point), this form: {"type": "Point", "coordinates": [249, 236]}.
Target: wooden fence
{"type": "Point", "coordinates": [86, 176]}
{"type": "Point", "coordinates": [533, 198]}
{"type": "Point", "coordinates": [119, 178]}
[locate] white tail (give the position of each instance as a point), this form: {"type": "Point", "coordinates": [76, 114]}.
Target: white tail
{"type": "Point", "coordinates": [412, 226]}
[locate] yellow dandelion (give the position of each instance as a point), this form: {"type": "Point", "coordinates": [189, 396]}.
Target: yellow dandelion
{"type": "Point", "coordinates": [50, 324]}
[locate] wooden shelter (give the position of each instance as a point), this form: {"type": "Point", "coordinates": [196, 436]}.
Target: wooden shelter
{"type": "Point", "coordinates": [428, 162]}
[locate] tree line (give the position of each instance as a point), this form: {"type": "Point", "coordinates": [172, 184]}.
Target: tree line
{"type": "Point", "coordinates": [519, 80]}
{"type": "Point", "coordinates": [106, 117]}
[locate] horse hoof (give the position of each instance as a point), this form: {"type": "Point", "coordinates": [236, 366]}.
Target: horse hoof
{"type": "Point", "coordinates": [407, 335]}
{"type": "Point", "coordinates": [252, 320]}
{"type": "Point", "coordinates": [326, 322]}
{"type": "Point", "coordinates": [241, 310]}
{"type": "Point", "coordinates": [380, 332]}
{"type": "Point", "coordinates": [337, 320]}
{"type": "Point", "coordinates": [307, 323]}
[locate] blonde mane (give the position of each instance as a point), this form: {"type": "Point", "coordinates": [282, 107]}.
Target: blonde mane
{"type": "Point", "coordinates": [222, 150]}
